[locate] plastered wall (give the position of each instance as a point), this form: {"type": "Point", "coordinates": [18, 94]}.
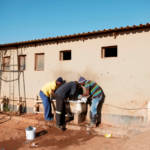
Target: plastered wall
{"type": "Point", "coordinates": [125, 79]}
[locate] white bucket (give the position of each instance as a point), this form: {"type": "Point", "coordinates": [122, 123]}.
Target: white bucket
{"type": "Point", "coordinates": [30, 133]}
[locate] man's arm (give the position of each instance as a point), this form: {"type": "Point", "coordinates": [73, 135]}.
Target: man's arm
{"type": "Point", "coordinates": [87, 89]}
{"type": "Point", "coordinates": [52, 95]}
{"type": "Point", "coordinates": [73, 89]}
{"type": "Point", "coordinates": [86, 92]}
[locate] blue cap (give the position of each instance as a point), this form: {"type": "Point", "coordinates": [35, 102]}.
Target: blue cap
{"type": "Point", "coordinates": [60, 79]}
{"type": "Point", "coordinates": [81, 80]}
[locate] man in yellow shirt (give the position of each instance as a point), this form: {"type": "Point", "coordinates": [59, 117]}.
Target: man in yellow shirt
{"type": "Point", "coordinates": [46, 93]}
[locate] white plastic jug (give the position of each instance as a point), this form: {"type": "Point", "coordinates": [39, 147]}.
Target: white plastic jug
{"type": "Point", "coordinates": [30, 133]}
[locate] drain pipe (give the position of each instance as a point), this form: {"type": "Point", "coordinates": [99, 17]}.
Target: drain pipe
{"type": "Point", "coordinates": [148, 111]}
{"type": "Point", "coordinates": [18, 107]}
{"type": "Point", "coordinates": [2, 106]}
{"type": "Point", "coordinates": [36, 106]}
{"type": "Point", "coordinates": [19, 104]}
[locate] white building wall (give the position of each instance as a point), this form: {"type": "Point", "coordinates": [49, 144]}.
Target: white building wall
{"type": "Point", "coordinates": [125, 79]}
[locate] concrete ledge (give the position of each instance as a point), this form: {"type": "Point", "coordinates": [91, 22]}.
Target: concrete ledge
{"type": "Point", "coordinates": [81, 113]}
{"type": "Point", "coordinates": [123, 120]}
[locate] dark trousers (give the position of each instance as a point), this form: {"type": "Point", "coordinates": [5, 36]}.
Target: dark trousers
{"type": "Point", "coordinates": [60, 110]}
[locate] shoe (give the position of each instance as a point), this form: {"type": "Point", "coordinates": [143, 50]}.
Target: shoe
{"type": "Point", "coordinates": [62, 127]}
{"type": "Point", "coordinates": [48, 123]}
{"type": "Point", "coordinates": [92, 125]}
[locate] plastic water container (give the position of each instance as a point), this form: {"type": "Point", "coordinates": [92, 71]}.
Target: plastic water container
{"type": "Point", "coordinates": [30, 133]}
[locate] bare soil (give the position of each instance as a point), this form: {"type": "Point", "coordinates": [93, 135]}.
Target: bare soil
{"type": "Point", "coordinates": [12, 137]}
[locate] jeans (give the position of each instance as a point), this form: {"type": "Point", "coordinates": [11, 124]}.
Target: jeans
{"type": "Point", "coordinates": [47, 106]}
{"type": "Point", "coordinates": [94, 108]}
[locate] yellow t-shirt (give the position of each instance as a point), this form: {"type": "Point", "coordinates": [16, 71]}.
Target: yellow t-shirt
{"type": "Point", "coordinates": [48, 88]}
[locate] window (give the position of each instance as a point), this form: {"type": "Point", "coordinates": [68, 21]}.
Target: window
{"type": "Point", "coordinates": [39, 61]}
{"type": "Point", "coordinates": [110, 51]}
{"type": "Point", "coordinates": [65, 55]}
{"type": "Point", "coordinates": [6, 63]}
{"type": "Point", "coordinates": [21, 62]}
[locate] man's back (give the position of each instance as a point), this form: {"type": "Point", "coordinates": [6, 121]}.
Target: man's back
{"type": "Point", "coordinates": [66, 90]}
{"type": "Point", "coordinates": [48, 88]}
{"type": "Point", "coordinates": [94, 88]}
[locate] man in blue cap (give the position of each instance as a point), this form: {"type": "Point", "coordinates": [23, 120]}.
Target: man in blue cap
{"type": "Point", "coordinates": [97, 97]}
{"type": "Point", "coordinates": [46, 93]}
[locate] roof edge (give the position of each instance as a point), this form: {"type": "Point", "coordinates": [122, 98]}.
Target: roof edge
{"type": "Point", "coordinates": [74, 36]}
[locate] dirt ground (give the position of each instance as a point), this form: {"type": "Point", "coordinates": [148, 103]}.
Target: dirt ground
{"type": "Point", "coordinates": [12, 137]}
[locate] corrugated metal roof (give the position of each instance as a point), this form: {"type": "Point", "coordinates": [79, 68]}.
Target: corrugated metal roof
{"type": "Point", "coordinates": [78, 36]}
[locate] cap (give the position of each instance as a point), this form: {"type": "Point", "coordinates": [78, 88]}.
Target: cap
{"type": "Point", "coordinates": [81, 80]}
{"type": "Point", "coordinates": [60, 79]}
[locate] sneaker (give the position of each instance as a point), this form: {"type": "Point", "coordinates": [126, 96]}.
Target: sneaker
{"type": "Point", "coordinates": [62, 127]}
{"type": "Point", "coordinates": [92, 125]}
{"type": "Point", "coordinates": [48, 123]}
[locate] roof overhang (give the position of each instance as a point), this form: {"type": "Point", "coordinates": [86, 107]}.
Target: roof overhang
{"type": "Point", "coordinates": [80, 36]}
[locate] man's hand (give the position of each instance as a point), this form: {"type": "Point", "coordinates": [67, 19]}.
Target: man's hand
{"type": "Point", "coordinates": [86, 93]}
{"type": "Point", "coordinates": [52, 94]}
{"type": "Point", "coordinates": [71, 97]}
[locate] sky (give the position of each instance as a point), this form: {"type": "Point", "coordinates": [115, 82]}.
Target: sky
{"type": "Point", "coordinates": [23, 20]}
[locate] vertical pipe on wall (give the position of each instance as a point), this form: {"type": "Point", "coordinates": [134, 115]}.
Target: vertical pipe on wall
{"type": "Point", "coordinates": [1, 55]}
{"type": "Point", "coordinates": [13, 79]}
{"type": "Point", "coordinates": [18, 73]}
{"type": "Point", "coordinates": [24, 88]}
{"type": "Point", "coordinates": [9, 79]}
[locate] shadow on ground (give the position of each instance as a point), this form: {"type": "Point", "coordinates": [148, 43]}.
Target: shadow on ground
{"type": "Point", "coordinates": [11, 144]}
{"type": "Point", "coordinates": [62, 139]}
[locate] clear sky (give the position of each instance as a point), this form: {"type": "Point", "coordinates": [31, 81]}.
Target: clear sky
{"type": "Point", "coordinates": [22, 20]}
